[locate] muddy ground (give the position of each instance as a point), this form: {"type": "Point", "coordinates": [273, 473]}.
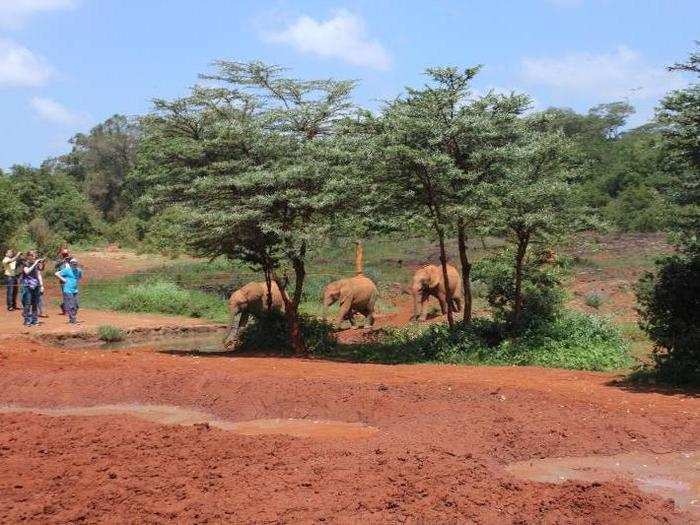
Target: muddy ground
{"type": "Point", "coordinates": [445, 437]}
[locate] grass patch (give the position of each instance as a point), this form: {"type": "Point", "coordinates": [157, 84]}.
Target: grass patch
{"type": "Point", "coordinates": [110, 334]}
{"type": "Point", "coordinates": [156, 297]}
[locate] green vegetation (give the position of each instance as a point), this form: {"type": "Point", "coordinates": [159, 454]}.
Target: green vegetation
{"type": "Point", "coordinates": [110, 334]}
{"type": "Point", "coordinates": [155, 297]}
{"type": "Point", "coordinates": [268, 334]}
{"type": "Point", "coordinates": [670, 314]}
{"type": "Point", "coordinates": [594, 300]}
{"type": "Point", "coordinates": [570, 340]}
{"type": "Point", "coordinates": [669, 299]}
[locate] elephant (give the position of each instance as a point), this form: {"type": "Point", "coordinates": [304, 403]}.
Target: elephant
{"type": "Point", "coordinates": [428, 280]}
{"type": "Point", "coordinates": [356, 295]}
{"type": "Point", "coordinates": [251, 299]}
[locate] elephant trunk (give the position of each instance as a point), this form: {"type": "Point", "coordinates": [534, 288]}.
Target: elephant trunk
{"type": "Point", "coordinates": [328, 301]}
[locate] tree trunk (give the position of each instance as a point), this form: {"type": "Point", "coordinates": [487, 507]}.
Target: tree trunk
{"type": "Point", "coordinates": [291, 306]}
{"type": "Point", "coordinates": [443, 262]}
{"type": "Point", "coordinates": [523, 240]}
{"type": "Point", "coordinates": [466, 270]}
{"type": "Point", "coordinates": [268, 282]}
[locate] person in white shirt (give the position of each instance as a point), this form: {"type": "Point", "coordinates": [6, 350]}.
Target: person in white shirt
{"type": "Point", "coordinates": [9, 266]}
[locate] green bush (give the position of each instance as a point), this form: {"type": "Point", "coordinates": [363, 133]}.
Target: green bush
{"type": "Point", "coordinates": [594, 300]}
{"type": "Point", "coordinates": [72, 216]}
{"type": "Point", "coordinates": [127, 232]}
{"type": "Point", "coordinates": [43, 239]}
{"type": "Point", "coordinates": [569, 340]}
{"type": "Point", "coordinates": [638, 208]}
{"type": "Point", "coordinates": [269, 333]}
{"type": "Point", "coordinates": [543, 295]}
{"type": "Point", "coordinates": [669, 308]}
{"type": "Point", "coordinates": [110, 334]}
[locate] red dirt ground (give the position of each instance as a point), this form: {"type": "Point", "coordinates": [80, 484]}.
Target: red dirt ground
{"type": "Point", "coordinates": [445, 435]}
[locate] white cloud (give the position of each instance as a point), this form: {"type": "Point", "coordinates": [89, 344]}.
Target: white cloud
{"type": "Point", "coordinates": [622, 74]}
{"type": "Point", "coordinates": [55, 113]}
{"type": "Point", "coordinates": [14, 12]}
{"type": "Point", "coordinates": [344, 36]}
{"type": "Point", "coordinates": [19, 67]}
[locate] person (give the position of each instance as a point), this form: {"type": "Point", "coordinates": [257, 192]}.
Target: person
{"type": "Point", "coordinates": [69, 276]}
{"type": "Point", "coordinates": [32, 284]}
{"type": "Point", "coordinates": [9, 265]}
{"type": "Point", "coordinates": [40, 300]}
{"type": "Point", "coordinates": [61, 262]}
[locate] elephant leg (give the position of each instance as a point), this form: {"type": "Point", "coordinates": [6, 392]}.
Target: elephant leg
{"type": "Point", "coordinates": [343, 314]}
{"type": "Point", "coordinates": [235, 327]}
{"type": "Point", "coordinates": [442, 299]}
{"type": "Point", "coordinates": [424, 306]}
{"type": "Point", "coordinates": [369, 313]}
{"type": "Point", "coordinates": [243, 321]}
{"type": "Point", "coordinates": [457, 300]}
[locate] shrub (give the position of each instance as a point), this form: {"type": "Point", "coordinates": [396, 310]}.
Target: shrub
{"type": "Point", "coordinates": [43, 238]}
{"type": "Point", "coordinates": [669, 308]}
{"type": "Point", "coordinates": [638, 208]}
{"type": "Point", "coordinates": [110, 334]}
{"type": "Point", "coordinates": [71, 215]}
{"type": "Point", "coordinates": [127, 232]}
{"type": "Point", "coordinates": [269, 333]}
{"type": "Point", "coordinates": [543, 295]}
{"type": "Point", "coordinates": [594, 300]}
{"type": "Point", "coordinates": [570, 340]}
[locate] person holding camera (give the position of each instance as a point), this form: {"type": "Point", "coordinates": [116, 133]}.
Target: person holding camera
{"type": "Point", "coordinates": [32, 284]}
{"type": "Point", "coordinates": [9, 266]}
{"type": "Point", "coordinates": [69, 276]}
{"type": "Point", "coordinates": [62, 262]}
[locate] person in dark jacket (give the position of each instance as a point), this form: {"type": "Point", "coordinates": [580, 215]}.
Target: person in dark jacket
{"type": "Point", "coordinates": [32, 284]}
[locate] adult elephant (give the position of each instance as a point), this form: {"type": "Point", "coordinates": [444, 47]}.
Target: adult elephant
{"type": "Point", "coordinates": [250, 299]}
{"type": "Point", "coordinates": [429, 281]}
{"type": "Point", "coordinates": [355, 294]}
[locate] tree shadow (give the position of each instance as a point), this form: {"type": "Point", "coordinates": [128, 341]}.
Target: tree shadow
{"type": "Point", "coordinates": [638, 386]}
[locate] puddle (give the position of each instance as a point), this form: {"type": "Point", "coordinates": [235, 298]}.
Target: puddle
{"type": "Point", "coordinates": [207, 343]}
{"type": "Point", "coordinates": [675, 475]}
{"type": "Point", "coordinates": [172, 415]}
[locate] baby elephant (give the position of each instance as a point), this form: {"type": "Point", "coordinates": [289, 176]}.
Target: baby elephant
{"type": "Point", "coordinates": [250, 299]}
{"type": "Point", "coordinates": [356, 295]}
{"type": "Point", "coordinates": [428, 281]}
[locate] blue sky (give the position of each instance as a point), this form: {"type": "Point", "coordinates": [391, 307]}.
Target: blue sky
{"type": "Point", "coordinates": [68, 64]}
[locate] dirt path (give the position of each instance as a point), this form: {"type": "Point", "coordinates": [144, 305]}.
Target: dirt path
{"type": "Point", "coordinates": [446, 435]}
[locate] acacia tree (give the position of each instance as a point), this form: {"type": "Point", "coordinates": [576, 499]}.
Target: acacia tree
{"type": "Point", "coordinates": [679, 116]}
{"type": "Point", "coordinates": [441, 150]}
{"type": "Point", "coordinates": [534, 199]}
{"type": "Point", "coordinates": [248, 161]}
{"type": "Point", "coordinates": [476, 133]}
